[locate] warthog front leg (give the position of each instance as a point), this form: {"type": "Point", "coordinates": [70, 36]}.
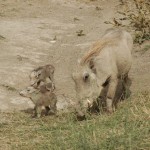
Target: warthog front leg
{"type": "Point", "coordinates": [47, 109]}
{"type": "Point", "coordinates": [111, 94]}
{"type": "Point", "coordinates": [38, 111]}
{"type": "Point", "coordinates": [53, 110]}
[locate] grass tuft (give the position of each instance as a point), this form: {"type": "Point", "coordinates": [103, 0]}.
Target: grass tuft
{"type": "Point", "coordinates": [136, 18]}
{"type": "Point", "coordinates": [127, 128]}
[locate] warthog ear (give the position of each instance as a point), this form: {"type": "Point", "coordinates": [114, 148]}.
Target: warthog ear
{"type": "Point", "coordinates": [39, 73]}
{"type": "Point", "coordinates": [92, 66]}
{"type": "Point", "coordinates": [106, 82]}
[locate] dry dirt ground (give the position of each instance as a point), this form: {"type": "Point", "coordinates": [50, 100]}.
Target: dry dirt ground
{"type": "Point", "coordinates": [39, 32]}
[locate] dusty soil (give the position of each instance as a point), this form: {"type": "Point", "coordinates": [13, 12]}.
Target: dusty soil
{"type": "Point", "coordinates": [39, 32]}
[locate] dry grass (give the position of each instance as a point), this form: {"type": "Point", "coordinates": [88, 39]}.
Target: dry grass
{"type": "Point", "coordinates": [127, 128]}
{"type": "Point", "coordinates": [137, 14]}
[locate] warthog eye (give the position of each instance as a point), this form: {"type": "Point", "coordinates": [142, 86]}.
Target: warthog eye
{"type": "Point", "coordinates": [28, 90]}
{"type": "Point", "coordinates": [86, 77]}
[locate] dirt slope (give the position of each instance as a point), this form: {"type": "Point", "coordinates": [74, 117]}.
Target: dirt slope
{"type": "Point", "coordinates": [38, 32]}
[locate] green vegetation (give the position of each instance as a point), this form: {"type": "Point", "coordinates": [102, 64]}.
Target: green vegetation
{"type": "Point", "coordinates": [138, 13]}
{"type": "Point", "coordinates": [127, 129]}
{"type": "Point", "coordinates": [135, 17]}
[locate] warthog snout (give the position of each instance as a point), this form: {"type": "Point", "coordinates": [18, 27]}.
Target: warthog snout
{"type": "Point", "coordinates": [80, 116]}
{"type": "Point", "coordinates": [27, 91]}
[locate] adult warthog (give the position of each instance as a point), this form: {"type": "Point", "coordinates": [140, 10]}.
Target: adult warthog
{"type": "Point", "coordinates": [104, 65]}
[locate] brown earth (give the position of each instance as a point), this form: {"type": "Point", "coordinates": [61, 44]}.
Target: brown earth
{"type": "Point", "coordinates": [39, 32]}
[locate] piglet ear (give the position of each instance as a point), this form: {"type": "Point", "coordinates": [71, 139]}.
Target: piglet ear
{"type": "Point", "coordinates": [32, 74]}
{"type": "Point", "coordinates": [38, 73]}
{"type": "Point", "coordinates": [49, 86]}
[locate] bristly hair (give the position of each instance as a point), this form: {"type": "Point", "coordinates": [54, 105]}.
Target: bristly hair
{"type": "Point", "coordinates": [98, 47]}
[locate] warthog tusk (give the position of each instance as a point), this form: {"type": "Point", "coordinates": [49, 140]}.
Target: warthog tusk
{"type": "Point", "coordinates": [89, 103]}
